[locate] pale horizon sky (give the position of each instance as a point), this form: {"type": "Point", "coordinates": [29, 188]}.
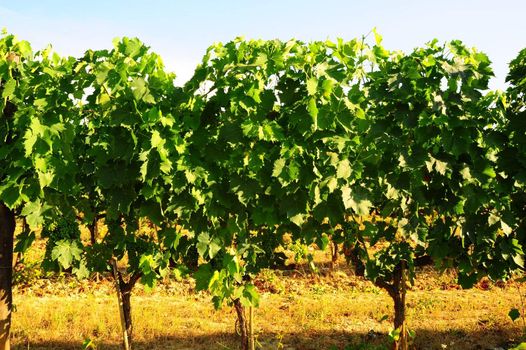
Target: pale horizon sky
{"type": "Point", "coordinates": [181, 31]}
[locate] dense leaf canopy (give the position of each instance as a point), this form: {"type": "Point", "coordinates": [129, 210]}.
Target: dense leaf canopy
{"type": "Point", "coordinates": [399, 156]}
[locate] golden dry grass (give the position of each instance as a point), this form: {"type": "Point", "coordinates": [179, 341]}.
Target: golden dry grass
{"type": "Point", "coordinates": [303, 311]}
{"type": "Point", "coordinates": [299, 310]}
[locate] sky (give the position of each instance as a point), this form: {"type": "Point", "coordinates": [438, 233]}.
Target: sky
{"type": "Point", "coordinates": [180, 31]}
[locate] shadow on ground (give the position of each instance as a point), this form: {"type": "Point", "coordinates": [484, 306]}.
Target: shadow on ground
{"type": "Point", "coordinates": [490, 338]}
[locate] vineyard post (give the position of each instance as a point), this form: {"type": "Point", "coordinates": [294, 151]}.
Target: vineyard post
{"type": "Point", "coordinates": [125, 338]}
{"type": "Point", "coordinates": [251, 327]}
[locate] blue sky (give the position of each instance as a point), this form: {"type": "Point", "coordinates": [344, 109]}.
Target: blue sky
{"type": "Point", "coordinates": [182, 30]}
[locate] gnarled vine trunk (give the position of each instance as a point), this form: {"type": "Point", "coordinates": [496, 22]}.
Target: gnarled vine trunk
{"type": "Point", "coordinates": [124, 290]}
{"type": "Point", "coordinates": [7, 236]}
{"type": "Point", "coordinates": [334, 254]}
{"type": "Point", "coordinates": [396, 288]}
{"type": "Point", "coordinates": [7, 232]}
{"type": "Point", "coordinates": [397, 291]}
{"type": "Point", "coordinates": [126, 306]}
{"type": "Point", "coordinates": [93, 231]}
{"type": "Point", "coordinates": [242, 324]}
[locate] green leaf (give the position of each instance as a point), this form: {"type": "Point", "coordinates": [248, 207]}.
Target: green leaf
{"type": "Point", "coordinates": [441, 167]}
{"type": "Point", "coordinates": [467, 280]}
{"type": "Point", "coordinates": [278, 167]}
{"type": "Point", "coordinates": [88, 344]}
{"type": "Point", "coordinates": [489, 171]}
{"type": "Point", "coordinates": [171, 238]}
{"type": "Point", "coordinates": [332, 184]}
{"type": "Point", "coordinates": [148, 280]}
{"type": "Point", "coordinates": [327, 87]}
{"type": "Point", "coordinates": [153, 115]}
{"type": "Point", "coordinates": [24, 241]}
{"type": "Point", "coordinates": [323, 242]}
{"type": "Point", "coordinates": [232, 265]}
{"type": "Point", "coordinates": [81, 271]}
{"type": "Point", "coordinates": [312, 86]}
{"type": "Point", "coordinates": [514, 314]}
{"type": "Point", "coordinates": [394, 334]}
{"type": "Point", "coordinates": [24, 48]}
{"type": "Point", "coordinates": [359, 113]}
{"type": "Point", "coordinates": [34, 213]}
{"type": "Point", "coordinates": [102, 99]}
{"type": "Point", "coordinates": [518, 259]}
{"type": "Point", "coordinates": [459, 207]}
{"type": "Point", "coordinates": [203, 240]}
{"type": "Point", "coordinates": [344, 169]}
{"type": "Point", "coordinates": [147, 264]}
{"type": "Point", "coordinates": [30, 138]}
{"type": "Point", "coordinates": [139, 88]}
{"type": "Point", "coordinates": [380, 52]}
{"type": "Point", "coordinates": [66, 252]}
{"type": "Point", "coordinates": [377, 37]}
{"type": "Point", "coordinates": [505, 228]}
{"type": "Point", "coordinates": [203, 276]}
{"type": "Point", "coordinates": [10, 195]}
{"type": "Point", "coordinates": [313, 112]}
{"type": "Point", "coordinates": [214, 285]}
{"type": "Point", "coordinates": [157, 141]}
{"type": "Point", "coordinates": [272, 132]}
{"type": "Point", "coordinates": [429, 61]}
{"type": "Point", "coordinates": [45, 179]}
{"type": "Point", "coordinates": [213, 248]}
{"type": "Point", "coordinates": [152, 211]}
{"type": "Point", "coordinates": [298, 219]}
{"type": "Point", "coordinates": [411, 333]}
{"type": "Point", "coordinates": [250, 296]}
{"type": "Point", "coordinates": [493, 219]}
{"type": "Point", "coordinates": [9, 89]}
{"type": "Point", "coordinates": [357, 202]}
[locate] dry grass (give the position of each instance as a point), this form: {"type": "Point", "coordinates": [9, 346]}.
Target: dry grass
{"type": "Point", "coordinates": [298, 310]}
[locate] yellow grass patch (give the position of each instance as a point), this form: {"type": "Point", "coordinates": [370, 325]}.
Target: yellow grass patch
{"type": "Point", "coordinates": [309, 313]}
